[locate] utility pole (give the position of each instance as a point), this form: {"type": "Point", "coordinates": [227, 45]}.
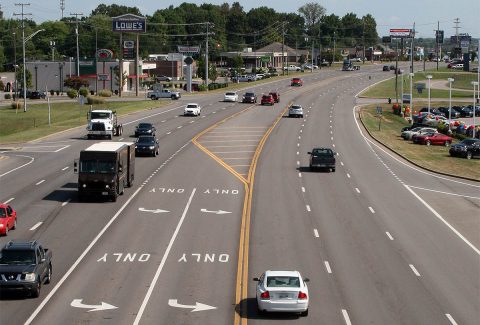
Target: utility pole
{"type": "Point", "coordinates": [283, 50]}
{"type": "Point", "coordinates": [334, 49]}
{"type": "Point", "coordinates": [76, 32]}
{"type": "Point", "coordinates": [363, 40]}
{"type": "Point", "coordinates": [206, 58]}
{"type": "Point", "coordinates": [437, 35]}
{"type": "Point", "coordinates": [15, 61]}
{"type": "Point", "coordinates": [23, 43]}
{"type": "Point", "coordinates": [319, 47]}
{"type": "Point", "coordinates": [62, 6]}
{"type": "Point", "coordinates": [52, 45]}
{"type": "Point", "coordinates": [411, 49]}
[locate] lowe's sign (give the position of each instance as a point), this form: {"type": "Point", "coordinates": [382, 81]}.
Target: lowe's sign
{"type": "Point", "coordinates": [129, 24]}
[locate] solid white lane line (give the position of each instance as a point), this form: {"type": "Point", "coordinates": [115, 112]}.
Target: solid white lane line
{"type": "Point", "coordinates": [442, 192]}
{"type": "Point", "coordinates": [327, 266]}
{"type": "Point", "coordinates": [40, 182]}
{"type": "Point", "coordinates": [38, 224]}
{"type": "Point", "coordinates": [389, 236]}
{"type": "Point", "coordinates": [371, 210]}
{"type": "Point", "coordinates": [450, 318]}
{"type": "Point", "coordinates": [303, 189]}
{"type": "Point", "coordinates": [9, 200]}
{"type": "Point", "coordinates": [345, 316]}
{"type": "Point", "coordinates": [65, 168]}
{"type": "Point", "coordinates": [308, 208]}
{"type": "Point", "coordinates": [443, 220]}
{"type": "Point", "coordinates": [414, 270]}
{"type": "Point", "coordinates": [356, 189]}
{"type": "Point", "coordinates": [315, 233]}
{"type": "Point", "coordinates": [162, 263]}
{"type": "Point", "coordinates": [66, 202]}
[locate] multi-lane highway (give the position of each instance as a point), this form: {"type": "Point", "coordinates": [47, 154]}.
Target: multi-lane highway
{"type": "Point", "coordinates": [230, 196]}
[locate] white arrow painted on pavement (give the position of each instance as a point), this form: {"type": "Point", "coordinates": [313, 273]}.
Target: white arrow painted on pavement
{"type": "Point", "coordinates": [152, 211]}
{"type": "Point", "coordinates": [216, 212]}
{"type": "Point", "coordinates": [197, 307]}
{"type": "Point", "coordinates": [104, 306]}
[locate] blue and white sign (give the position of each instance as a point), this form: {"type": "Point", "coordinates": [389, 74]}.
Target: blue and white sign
{"type": "Point", "coordinates": [129, 24]}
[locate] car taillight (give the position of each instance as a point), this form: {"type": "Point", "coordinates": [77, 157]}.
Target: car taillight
{"type": "Point", "coordinates": [265, 295]}
{"type": "Point", "coordinates": [302, 295]}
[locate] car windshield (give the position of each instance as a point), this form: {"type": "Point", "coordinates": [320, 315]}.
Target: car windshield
{"type": "Point", "coordinates": [99, 115]}
{"type": "Point", "coordinates": [322, 152]}
{"type": "Point", "coordinates": [465, 141]}
{"type": "Point", "coordinates": [147, 140]}
{"type": "Point", "coordinates": [191, 106]}
{"type": "Point", "coordinates": [230, 94]}
{"type": "Point", "coordinates": [296, 107]}
{"type": "Point", "coordinates": [249, 94]}
{"type": "Point", "coordinates": [283, 281]}
{"type": "Point", "coordinates": [97, 167]}
{"type": "Point", "coordinates": [144, 125]}
{"type": "Point", "coordinates": [17, 257]}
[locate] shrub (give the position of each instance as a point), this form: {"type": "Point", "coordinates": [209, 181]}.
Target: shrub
{"type": "Point", "coordinates": [105, 93]}
{"type": "Point", "coordinates": [95, 100]}
{"type": "Point", "coordinates": [7, 96]}
{"type": "Point", "coordinates": [83, 91]}
{"type": "Point", "coordinates": [72, 93]}
{"type": "Point", "coordinates": [52, 92]}
{"type": "Point", "coordinates": [202, 87]}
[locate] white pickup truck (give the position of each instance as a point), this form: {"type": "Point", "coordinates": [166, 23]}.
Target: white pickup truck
{"type": "Point", "coordinates": [163, 93]}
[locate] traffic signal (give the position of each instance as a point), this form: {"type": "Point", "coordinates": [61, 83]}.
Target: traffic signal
{"type": "Point", "coordinates": [439, 36]}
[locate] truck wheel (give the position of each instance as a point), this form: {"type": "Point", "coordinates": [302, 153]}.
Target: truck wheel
{"type": "Point", "coordinates": [114, 197]}
{"type": "Point", "coordinates": [152, 97]}
{"type": "Point", "coordinates": [469, 155]}
{"type": "Point", "coordinates": [333, 170]}
{"type": "Point", "coordinates": [36, 291]}
{"type": "Point", "coordinates": [89, 136]}
{"type": "Point", "coordinates": [48, 278]}
{"type": "Point", "coordinates": [109, 137]}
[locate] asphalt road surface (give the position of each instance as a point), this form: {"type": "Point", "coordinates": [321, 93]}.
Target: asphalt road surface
{"type": "Point", "coordinates": [230, 196]}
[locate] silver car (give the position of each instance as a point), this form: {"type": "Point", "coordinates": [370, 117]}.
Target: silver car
{"type": "Point", "coordinates": [295, 111]}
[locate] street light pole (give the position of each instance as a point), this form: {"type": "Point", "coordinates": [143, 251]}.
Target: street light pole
{"type": "Point", "coordinates": [429, 77]}
{"type": "Point", "coordinates": [475, 84]}
{"type": "Point", "coordinates": [25, 40]}
{"type": "Point", "coordinates": [450, 80]}
{"type": "Point", "coordinates": [411, 95]}
{"type": "Point", "coordinates": [76, 32]}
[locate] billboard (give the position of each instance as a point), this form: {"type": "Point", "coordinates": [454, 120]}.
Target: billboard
{"type": "Point", "coordinates": [129, 23]}
{"type": "Point", "coordinates": [188, 49]}
{"type": "Point", "coordinates": [401, 32]}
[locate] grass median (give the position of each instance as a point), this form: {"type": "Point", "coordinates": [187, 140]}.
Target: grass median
{"type": "Point", "coordinates": [19, 126]}
{"type": "Point", "coordinates": [435, 158]}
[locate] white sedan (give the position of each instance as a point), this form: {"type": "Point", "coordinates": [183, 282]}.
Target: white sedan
{"type": "Point", "coordinates": [282, 291]}
{"type": "Point", "coordinates": [230, 97]}
{"type": "Point", "coordinates": [192, 109]}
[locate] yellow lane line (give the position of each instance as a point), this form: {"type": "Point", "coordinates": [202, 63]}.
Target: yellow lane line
{"type": "Point", "coordinates": [242, 281]}
{"type": "Point", "coordinates": [226, 140]}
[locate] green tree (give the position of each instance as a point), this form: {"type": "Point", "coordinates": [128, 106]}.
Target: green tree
{"type": "Point", "coordinates": [312, 12]}
{"type": "Point", "coordinates": [115, 10]}
{"type": "Point", "coordinates": [76, 83]}
{"type": "Point", "coordinates": [28, 77]}
{"type": "Point", "coordinates": [212, 71]}
{"type": "Point", "coordinates": [370, 27]}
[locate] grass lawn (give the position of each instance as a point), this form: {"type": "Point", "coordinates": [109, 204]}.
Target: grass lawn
{"type": "Point", "coordinates": [387, 88]}
{"type": "Point", "coordinates": [19, 126]}
{"type": "Point", "coordinates": [432, 157]}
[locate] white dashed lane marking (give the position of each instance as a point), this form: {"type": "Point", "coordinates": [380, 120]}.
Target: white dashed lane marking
{"type": "Point", "coordinates": [356, 189]}
{"type": "Point", "coordinates": [65, 168]}
{"type": "Point", "coordinates": [371, 210]}
{"type": "Point", "coordinates": [450, 318]}
{"type": "Point", "coordinates": [414, 270]}
{"type": "Point", "coordinates": [315, 233]}
{"type": "Point", "coordinates": [40, 182]}
{"type": "Point", "coordinates": [327, 266]}
{"type": "Point", "coordinates": [38, 224]}
{"type": "Point", "coordinates": [389, 236]}
{"type": "Point", "coordinates": [345, 316]}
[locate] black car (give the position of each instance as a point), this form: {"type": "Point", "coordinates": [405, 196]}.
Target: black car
{"type": "Point", "coordinates": [145, 129]}
{"type": "Point", "coordinates": [464, 111]}
{"type": "Point", "coordinates": [322, 158]}
{"type": "Point", "coordinates": [37, 95]}
{"type": "Point", "coordinates": [392, 67]}
{"type": "Point", "coordinates": [386, 68]}
{"type": "Point", "coordinates": [249, 98]}
{"type": "Point", "coordinates": [468, 148]}
{"type": "Point", "coordinates": [147, 145]}
{"type": "Point", "coordinates": [446, 112]}
{"type": "Point", "coordinates": [477, 109]}
{"type": "Point", "coordinates": [433, 111]}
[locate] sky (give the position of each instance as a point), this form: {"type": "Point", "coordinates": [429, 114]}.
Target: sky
{"type": "Point", "coordinates": [387, 13]}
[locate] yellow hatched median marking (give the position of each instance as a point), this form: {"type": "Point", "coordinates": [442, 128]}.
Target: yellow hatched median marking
{"type": "Point", "coordinates": [241, 288]}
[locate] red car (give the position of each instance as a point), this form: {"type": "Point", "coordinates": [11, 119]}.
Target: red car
{"type": "Point", "coordinates": [296, 82]}
{"type": "Point", "coordinates": [435, 138]}
{"type": "Point", "coordinates": [8, 219]}
{"type": "Point", "coordinates": [276, 96]}
{"type": "Point", "coordinates": [267, 100]}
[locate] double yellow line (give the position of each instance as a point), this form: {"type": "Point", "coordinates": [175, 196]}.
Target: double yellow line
{"type": "Point", "coordinates": [241, 287]}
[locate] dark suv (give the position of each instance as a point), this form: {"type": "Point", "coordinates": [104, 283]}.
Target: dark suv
{"type": "Point", "coordinates": [145, 129]}
{"type": "Point", "coordinates": [249, 98]}
{"type": "Point", "coordinates": [25, 266]}
{"type": "Point", "coordinates": [468, 148]}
